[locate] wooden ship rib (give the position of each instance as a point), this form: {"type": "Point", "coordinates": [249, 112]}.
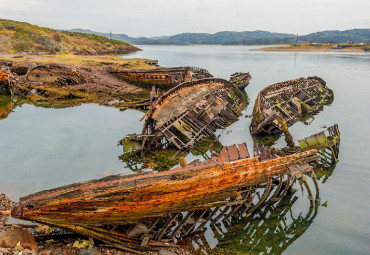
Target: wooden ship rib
{"type": "Point", "coordinates": [282, 104]}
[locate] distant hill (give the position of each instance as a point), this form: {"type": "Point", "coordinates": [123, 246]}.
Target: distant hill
{"type": "Point", "coordinates": [23, 37]}
{"type": "Point", "coordinates": [242, 38]}
{"type": "Point", "coordinates": [226, 37]}
{"type": "Point", "coordinates": [138, 40]}
{"type": "Point", "coordinates": [336, 36]}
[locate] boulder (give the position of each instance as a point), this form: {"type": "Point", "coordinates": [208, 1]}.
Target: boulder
{"type": "Point", "coordinates": [18, 237]}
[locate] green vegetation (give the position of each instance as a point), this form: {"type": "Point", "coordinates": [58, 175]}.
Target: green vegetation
{"type": "Point", "coordinates": [23, 37]}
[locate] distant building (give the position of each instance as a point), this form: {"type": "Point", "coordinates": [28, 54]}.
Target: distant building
{"type": "Point", "coordinates": [337, 47]}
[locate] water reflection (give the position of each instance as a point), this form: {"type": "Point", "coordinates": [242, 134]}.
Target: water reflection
{"type": "Point", "coordinates": [268, 231]}
{"type": "Point", "coordinates": [167, 158]}
{"type": "Point", "coordinates": [6, 106]}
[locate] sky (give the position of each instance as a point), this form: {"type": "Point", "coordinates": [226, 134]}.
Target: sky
{"type": "Point", "coordinates": [169, 17]}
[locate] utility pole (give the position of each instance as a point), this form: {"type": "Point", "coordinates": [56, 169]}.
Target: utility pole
{"type": "Point", "coordinates": [296, 40]}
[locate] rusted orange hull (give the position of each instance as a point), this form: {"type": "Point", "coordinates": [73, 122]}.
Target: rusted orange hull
{"type": "Point", "coordinates": [130, 199]}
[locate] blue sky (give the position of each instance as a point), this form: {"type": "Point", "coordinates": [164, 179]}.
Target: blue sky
{"type": "Point", "coordinates": [168, 17]}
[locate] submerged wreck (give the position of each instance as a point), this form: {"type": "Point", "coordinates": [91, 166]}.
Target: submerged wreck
{"type": "Point", "coordinates": [163, 78]}
{"type": "Point", "coordinates": [280, 105]}
{"type": "Point", "coordinates": [188, 113]}
{"type": "Point", "coordinates": [240, 80]}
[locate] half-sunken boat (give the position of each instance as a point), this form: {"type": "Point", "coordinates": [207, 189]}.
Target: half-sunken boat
{"type": "Point", "coordinates": [280, 105]}
{"type": "Point", "coordinates": [240, 80]}
{"type": "Point", "coordinates": [128, 199]}
{"type": "Point", "coordinates": [188, 113]}
{"type": "Point", "coordinates": [162, 78]}
{"type": "Point", "coordinates": [229, 181]}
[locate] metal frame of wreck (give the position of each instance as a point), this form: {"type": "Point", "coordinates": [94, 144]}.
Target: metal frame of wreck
{"type": "Point", "coordinates": [228, 94]}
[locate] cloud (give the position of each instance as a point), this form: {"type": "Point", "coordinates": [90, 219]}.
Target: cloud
{"type": "Point", "coordinates": [166, 17]}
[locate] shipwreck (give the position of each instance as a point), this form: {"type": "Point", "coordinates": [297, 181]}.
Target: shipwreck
{"type": "Point", "coordinates": [162, 78]}
{"type": "Point", "coordinates": [240, 80]}
{"type": "Point", "coordinates": [280, 105]}
{"type": "Point", "coordinates": [188, 113]}
{"type": "Point", "coordinates": [141, 211]}
{"type": "Point", "coordinates": [149, 210]}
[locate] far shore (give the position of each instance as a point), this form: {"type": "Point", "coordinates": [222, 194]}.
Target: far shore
{"type": "Point", "coordinates": [308, 48]}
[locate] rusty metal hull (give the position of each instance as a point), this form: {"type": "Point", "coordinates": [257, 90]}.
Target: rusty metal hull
{"type": "Point", "coordinates": [282, 104]}
{"type": "Point", "coordinates": [130, 199]}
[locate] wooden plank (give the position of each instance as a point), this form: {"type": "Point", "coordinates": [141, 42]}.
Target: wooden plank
{"type": "Point", "coordinates": [233, 152]}
{"type": "Point", "coordinates": [224, 155]}
{"type": "Point", "coordinates": [243, 151]}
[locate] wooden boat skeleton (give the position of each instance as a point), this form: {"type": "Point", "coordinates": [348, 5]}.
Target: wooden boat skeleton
{"type": "Point", "coordinates": [288, 101]}
{"type": "Point", "coordinates": [190, 112]}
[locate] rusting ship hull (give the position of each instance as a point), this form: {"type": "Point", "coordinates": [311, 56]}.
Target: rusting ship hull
{"type": "Point", "coordinates": [280, 105]}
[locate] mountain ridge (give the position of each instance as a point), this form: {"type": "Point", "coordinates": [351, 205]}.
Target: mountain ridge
{"type": "Point", "coordinates": [243, 37]}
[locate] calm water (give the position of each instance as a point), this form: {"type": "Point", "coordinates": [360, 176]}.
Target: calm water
{"type": "Point", "coordinates": [43, 148]}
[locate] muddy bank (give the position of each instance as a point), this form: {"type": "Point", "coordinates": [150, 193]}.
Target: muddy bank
{"type": "Point", "coordinates": [68, 80]}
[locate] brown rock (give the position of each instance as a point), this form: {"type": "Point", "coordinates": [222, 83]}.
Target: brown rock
{"type": "Point", "coordinates": [15, 235]}
{"type": "Point", "coordinates": [18, 247]}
